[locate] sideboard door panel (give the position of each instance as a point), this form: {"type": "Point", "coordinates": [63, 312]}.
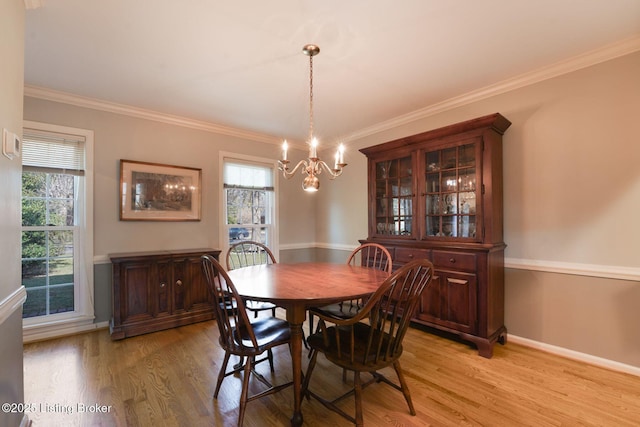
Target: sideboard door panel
{"type": "Point", "coordinates": [199, 297]}
{"type": "Point", "coordinates": [136, 292]}
{"type": "Point", "coordinates": [178, 283]}
{"type": "Point", "coordinates": [162, 286]}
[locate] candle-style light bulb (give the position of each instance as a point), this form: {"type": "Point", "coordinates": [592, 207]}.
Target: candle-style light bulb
{"type": "Point", "coordinates": [341, 154]}
{"type": "Point", "coordinates": [313, 152]}
{"type": "Point", "coordinates": [285, 147]}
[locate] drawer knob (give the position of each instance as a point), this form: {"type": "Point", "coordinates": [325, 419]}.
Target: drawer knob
{"type": "Point", "coordinates": [410, 255]}
{"type": "Point", "coordinates": [179, 282]}
{"type": "Point", "coordinates": [162, 285]}
{"type": "Point", "coordinates": [452, 260]}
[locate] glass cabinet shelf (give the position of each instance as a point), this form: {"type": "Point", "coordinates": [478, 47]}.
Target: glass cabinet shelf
{"type": "Point", "coordinates": [394, 196]}
{"type": "Point", "coordinates": [450, 192]}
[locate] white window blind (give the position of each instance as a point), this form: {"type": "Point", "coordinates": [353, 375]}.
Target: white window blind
{"type": "Point", "coordinates": [53, 152]}
{"type": "Point", "coordinates": [250, 177]}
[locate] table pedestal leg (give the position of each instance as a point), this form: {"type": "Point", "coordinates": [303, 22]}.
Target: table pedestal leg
{"type": "Point", "coordinates": [296, 359]}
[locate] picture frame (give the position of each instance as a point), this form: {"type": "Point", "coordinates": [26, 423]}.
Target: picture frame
{"type": "Point", "coordinates": [159, 192]}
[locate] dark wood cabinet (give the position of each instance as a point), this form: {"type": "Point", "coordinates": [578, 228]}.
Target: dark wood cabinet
{"type": "Point", "coordinates": [153, 291]}
{"type": "Point", "coordinates": [438, 195]}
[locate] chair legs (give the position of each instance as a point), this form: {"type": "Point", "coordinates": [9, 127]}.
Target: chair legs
{"type": "Point", "coordinates": [310, 323]}
{"type": "Point", "coordinates": [238, 366]}
{"type": "Point", "coordinates": [313, 354]}
{"type": "Point", "coordinates": [358, 386]}
{"type": "Point", "coordinates": [403, 387]}
{"type": "Point", "coordinates": [222, 374]}
{"type": "Point", "coordinates": [270, 357]}
{"type": "Point", "coordinates": [244, 395]}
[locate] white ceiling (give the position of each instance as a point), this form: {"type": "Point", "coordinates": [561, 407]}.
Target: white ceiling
{"type": "Point", "coordinates": [239, 64]}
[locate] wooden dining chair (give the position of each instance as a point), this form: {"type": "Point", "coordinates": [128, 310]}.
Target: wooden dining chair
{"type": "Point", "coordinates": [242, 337]}
{"type": "Point", "coordinates": [367, 255]}
{"type": "Point", "coordinates": [372, 338]}
{"type": "Point", "coordinates": [244, 254]}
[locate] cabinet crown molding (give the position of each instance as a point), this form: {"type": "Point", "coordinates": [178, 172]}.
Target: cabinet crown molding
{"type": "Point", "coordinates": [496, 122]}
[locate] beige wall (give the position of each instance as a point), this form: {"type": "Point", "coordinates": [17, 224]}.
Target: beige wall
{"type": "Point", "coordinates": [11, 293]}
{"type": "Point", "coordinates": [592, 315]}
{"type": "Point", "coordinates": [572, 195]}
{"type": "Point", "coordinates": [571, 171]}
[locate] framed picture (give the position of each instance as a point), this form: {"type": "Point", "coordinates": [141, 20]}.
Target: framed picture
{"type": "Point", "coordinates": [155, 192]}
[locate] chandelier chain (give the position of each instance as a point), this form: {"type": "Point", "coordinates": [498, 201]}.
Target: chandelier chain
{"type": "Point", "coordinates": [310, 98]}
{"type": "Point", "coordinates": [313, 165]}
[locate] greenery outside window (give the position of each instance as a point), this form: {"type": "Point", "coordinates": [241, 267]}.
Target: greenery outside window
{"type": "Point", "coordinates": [57, 227]}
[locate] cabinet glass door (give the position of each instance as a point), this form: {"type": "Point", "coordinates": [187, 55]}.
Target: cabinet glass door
{"type": "Point", "coordinates": [394, 197]}
{"type": "Point", "coordinates": [450, 184]}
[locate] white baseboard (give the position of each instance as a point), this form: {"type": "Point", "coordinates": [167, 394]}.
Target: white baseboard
{"type": "Point", "coordinates": [576, 355]}
{"type": "Point", "coordinates": [60, 330]}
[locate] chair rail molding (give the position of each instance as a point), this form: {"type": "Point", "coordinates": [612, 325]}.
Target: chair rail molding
{"type": "Point", "coordinates": [12, 302]}
{"type": "Point", "coordinates": [578, 269]}
{"type": "Point", "coordinates": [545, 266]}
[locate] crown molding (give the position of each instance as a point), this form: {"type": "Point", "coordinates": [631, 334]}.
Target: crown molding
{"type": "Point", "coordinates": [575, 63]}
{"type": "Point", "coordinates": [594, 57]}
{"type": "Point", "coordinates": [140, 113]}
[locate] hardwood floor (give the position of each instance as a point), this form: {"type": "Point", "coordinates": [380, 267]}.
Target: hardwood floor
{"type": "Point", "coordinates": [167, 379]}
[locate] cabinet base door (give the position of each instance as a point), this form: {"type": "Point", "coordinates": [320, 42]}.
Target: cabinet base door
{"type": "Point", "coordinates": [450, 301]}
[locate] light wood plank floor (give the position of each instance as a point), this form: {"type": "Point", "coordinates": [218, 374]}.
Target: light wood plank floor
{"type": "Point", "coordinates": [167, 379]}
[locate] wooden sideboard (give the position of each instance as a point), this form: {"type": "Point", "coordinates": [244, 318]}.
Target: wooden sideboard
{"type": "Point", "coordinates": [158, 290]}
{"type": "Point", "coordinates": [438, 195]}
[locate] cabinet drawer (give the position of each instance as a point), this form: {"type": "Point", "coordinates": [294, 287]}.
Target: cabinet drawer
{"type": "Point", "coordinates": [405, 255]}
{"type": "Point", "coordinates": [454, 260]}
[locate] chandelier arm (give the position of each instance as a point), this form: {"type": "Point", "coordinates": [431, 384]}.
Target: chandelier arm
{"type": "Point", "coordinates": [284, 167]}
{"type": "Point", "coordinates": [333, 173]}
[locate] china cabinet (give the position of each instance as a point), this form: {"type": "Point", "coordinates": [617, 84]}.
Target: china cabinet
{"type": "Point", "coordinates": [438, 195]}
{"type": "Point", "coordinates": [153, 291]}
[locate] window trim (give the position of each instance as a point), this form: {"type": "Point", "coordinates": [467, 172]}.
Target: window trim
{"type": "Point", "coordinates": [222, 223]}
{"type": "Point", "coordinates": [64, 323]}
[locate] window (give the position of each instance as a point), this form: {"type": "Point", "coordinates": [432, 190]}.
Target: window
{"type": "Point", "coordinates": [249, 201]}
{"type": "Point", "coordinates": [57, 227]}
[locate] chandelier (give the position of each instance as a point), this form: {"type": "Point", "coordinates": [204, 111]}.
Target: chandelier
{"type": "Point", "coordinates": [313, 166]}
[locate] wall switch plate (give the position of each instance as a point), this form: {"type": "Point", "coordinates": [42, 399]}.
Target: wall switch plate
{"type": "Point", "coordinates": [10, 144]}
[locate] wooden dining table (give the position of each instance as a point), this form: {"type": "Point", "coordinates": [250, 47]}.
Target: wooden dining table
{"type": "Point", "coordinates": [298, 287]}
